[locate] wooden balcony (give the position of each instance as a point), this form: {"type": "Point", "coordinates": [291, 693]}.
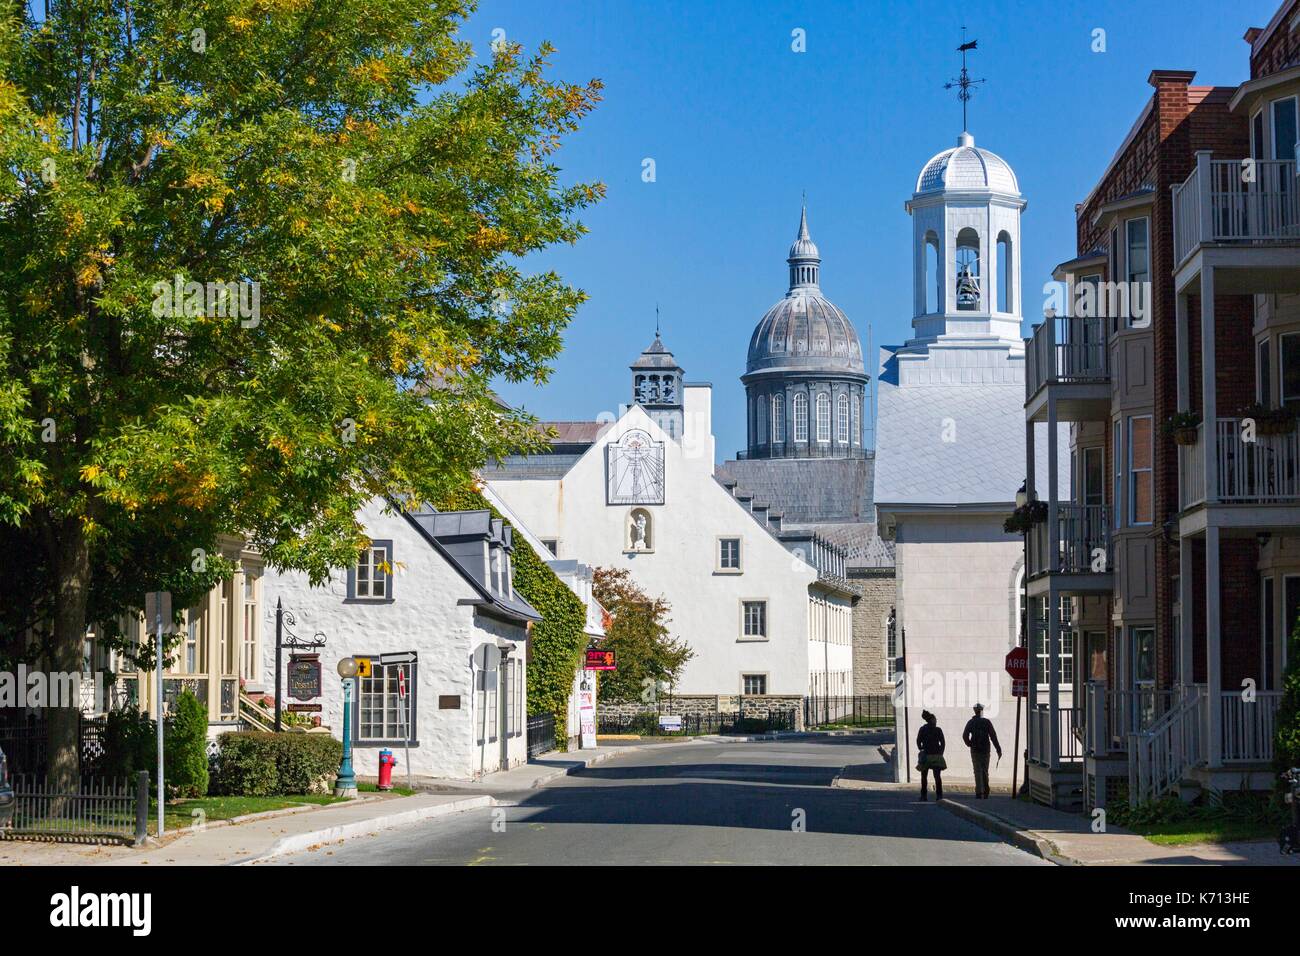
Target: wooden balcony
{"type": "Point", "coordinates": [1067, 364]}
{"type": "Point", "coordinates": [1239, 202]}
{"type": "Point", "coordinates": [1257, 482]}
{"type": "Point", "coordinates": [1076, 551]}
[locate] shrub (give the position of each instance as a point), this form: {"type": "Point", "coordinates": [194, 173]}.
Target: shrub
{"type": "Point", "coordinates": [256, 764]}
{"type": "Point", "coordinates": [130, 742]}
{"type": "Point", "coordinates": [185, 748]}
{"type": "Point", "coordinates": [1286, 749]}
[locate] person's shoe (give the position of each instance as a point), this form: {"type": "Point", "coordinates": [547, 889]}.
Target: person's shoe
{"type": "Point", "coordinates": [924, 798]}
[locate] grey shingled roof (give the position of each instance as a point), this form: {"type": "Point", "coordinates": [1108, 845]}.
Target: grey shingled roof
{"type": "Point", "coordinates": [859, 539]}
{"type": "Point", "coordinates": [985, 462]}
{"type": "Point", "coordinates": [808, 490]}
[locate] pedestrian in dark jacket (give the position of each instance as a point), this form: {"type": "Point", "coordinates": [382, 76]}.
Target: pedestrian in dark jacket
{"type": "Point", "coordinates": [929, 755]}
{"type": "Point", "coordinates": [979, 733]}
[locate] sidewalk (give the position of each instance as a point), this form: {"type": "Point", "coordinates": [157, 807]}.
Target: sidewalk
{"type": "Point", "coordinates": [1067, 838]}
{"type": "Point", "coordinates": [264, 836]}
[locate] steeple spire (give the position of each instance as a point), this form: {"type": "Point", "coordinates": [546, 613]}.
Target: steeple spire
{"type": "Point", "coordinates": [804, 259]}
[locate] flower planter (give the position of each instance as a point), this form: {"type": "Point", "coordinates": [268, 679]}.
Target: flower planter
{"type": "Point", "coordinates": [1186, 436]}
{"type": "Point", "coordinates": [1274, 426]}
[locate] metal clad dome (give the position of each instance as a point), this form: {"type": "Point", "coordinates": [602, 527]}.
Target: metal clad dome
{"type": "Point", "coordinates": [966, 166]}
{"type": "Point", "coordinates": [805, 330]}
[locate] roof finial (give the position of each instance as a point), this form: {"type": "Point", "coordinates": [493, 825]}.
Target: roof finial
{"type": "Point", "coordinates": [963, 83]}
{"type": "Point", "coordinates": [656, 320]}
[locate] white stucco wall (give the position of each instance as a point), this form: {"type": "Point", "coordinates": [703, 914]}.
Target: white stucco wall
{"type": "Point", "coordinates": [424, 616]}
{"type": "Point", "coordinates": [706, 605]}
{"type": "Point", "coordinates": [956, 590]}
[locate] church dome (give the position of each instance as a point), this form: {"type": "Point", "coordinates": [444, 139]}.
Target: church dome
{"type": "Point", "coordinates": [966, 166]}
{"type": "Point", "coordinates": [805, 330]}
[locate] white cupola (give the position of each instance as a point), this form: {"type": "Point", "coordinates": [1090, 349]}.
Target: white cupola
{"type": "Point", "coordinates": [966, 250]}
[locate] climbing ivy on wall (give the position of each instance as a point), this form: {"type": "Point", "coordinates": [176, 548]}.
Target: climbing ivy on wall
{"type": "Point", "coordinates": [557, 641]}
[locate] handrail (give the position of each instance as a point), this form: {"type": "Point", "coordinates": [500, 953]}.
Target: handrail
{"type": "Point", "coordinates": [1161, 754]}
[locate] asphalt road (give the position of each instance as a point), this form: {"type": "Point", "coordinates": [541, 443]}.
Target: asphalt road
{"type": "Point", "coordinates": [765, 802]}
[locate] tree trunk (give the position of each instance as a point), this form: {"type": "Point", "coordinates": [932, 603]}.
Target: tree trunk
{"type": "Point", "coordinates": [72, 569]}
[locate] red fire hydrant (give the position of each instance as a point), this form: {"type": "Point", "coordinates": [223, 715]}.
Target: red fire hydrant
{"type": "Point", "coordinates": [386, 765]}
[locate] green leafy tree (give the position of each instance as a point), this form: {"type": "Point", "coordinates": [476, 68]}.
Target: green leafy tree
{"type": "Point", "coordinates": [637, 631]}
{"type": "Point", "coordinates": [1286, 750]}
{"type": "Point", "coordinates": [185, 748]}
{"type": "Point", "coordinates": [259, 261]}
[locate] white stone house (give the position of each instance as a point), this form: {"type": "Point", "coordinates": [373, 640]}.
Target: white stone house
{"type": "Point", "coordinates": [578, 578]}
{"type": "Point", "coordinates": [441, 586]}
{"type": "Point", "coordinates": [765, 616]}
{"type": "Point", "coordinates": [950, 455]}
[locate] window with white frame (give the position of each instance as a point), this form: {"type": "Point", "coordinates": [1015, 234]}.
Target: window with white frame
{"type": "Point", "coordinates": [1138, 262]}
{"type": "Point", "coordinates": [853, 422]}
{"type": "Point", "coordinates": [1116, 458]}
{"type": "Point", "coordinates": [371, 578]}
{"type": "Point", "coordinates": [842, 420]}
{"type": "Point", "coordinates": [383, 716]}
{"type": "Point", "coordinates": [1140, 488]}
{"type": "Point", "coordinates": [1264, 373]}
{"type": "Point", "coordinates": [1284, 128]}
{"type": "Point", "coordinates": [728, 554]}
{"type": "Point", "coordinates": [800, 417]}
{"type": "Point", "coordinates": [753, 684]}
{"type": "Point", "coordinates": [252, 624]}
{"type": "Point", "coordinates": [552, 545]}
{"type": "Point", "coordinates": [761, 431]}
{"type": "Point", "coordinates": [754, 620]}
{"type": "Point", "coordinates": [778, 418]}
{"type": "Point", "coordinates": [193, 662]}
{"type": "Point", "coordinates": [1288, 347]}
{"type": "Point", "coordinates": [823, 417]}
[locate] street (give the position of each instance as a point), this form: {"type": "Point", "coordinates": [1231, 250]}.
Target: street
{"type": "Point", "coordinates": [768, 802]}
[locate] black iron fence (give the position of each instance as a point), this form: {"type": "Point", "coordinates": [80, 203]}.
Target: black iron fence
{"type": "Point", "coordinates": [848, 712]}
{"type": "Point", "coordinates": [696, 724]}
{"type": "Point", "coordinates": [97, 809]}
{"type": "Point", "coordinates": [24, 738]}
{"type": "Point", "coordinates": [541, 734]}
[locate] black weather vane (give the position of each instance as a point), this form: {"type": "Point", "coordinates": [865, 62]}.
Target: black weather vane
{"type": "Point", "coordinates": [964, 83]}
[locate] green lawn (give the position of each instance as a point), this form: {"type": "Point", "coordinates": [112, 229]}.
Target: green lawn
{"type": "Point", "coordinates": [1237, 816]}
{"type": "Point", "coordinates": [374, 788]}
{"type": "Point", "coordinates": [181, 813]}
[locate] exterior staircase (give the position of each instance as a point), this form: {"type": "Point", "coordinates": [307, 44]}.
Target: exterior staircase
{"type": "Point", "coordinates": [1161, 755]}
{"type": "Point", "coordinates": [252, 716]}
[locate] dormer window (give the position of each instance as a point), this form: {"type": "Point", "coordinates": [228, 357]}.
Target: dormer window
{"type": "Point", "coordinates": [371, 578]}
{"type": "Point", "coordinates": [496, 568]}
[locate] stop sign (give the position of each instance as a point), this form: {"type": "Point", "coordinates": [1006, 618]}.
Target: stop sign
{"type": "Point", "coordinates": [1017, 665]}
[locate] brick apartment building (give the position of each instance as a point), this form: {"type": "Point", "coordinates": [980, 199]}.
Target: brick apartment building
{"type": "Point", "coordinates": [1199, 199]}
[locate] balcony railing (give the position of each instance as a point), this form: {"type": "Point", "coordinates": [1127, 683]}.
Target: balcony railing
{"type": "Point", "coordinates": [1249, 726]}
{"type": "Point", "coordinates": [1040, 729]}
{"type": "Point", "coordinates": [1264, 470]}
{"type": "Point", "coordinates": [1114, 714]}
{"type": "Point", "coordinates": [1235, 200]}
{"type": "Point", "coordinates": [1081, 541]}
{"type": "Point", "coordinates": [1067, 350]}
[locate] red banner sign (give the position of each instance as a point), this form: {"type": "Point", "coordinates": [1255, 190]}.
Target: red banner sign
{"type": "Point", "coordinates": [600, 660]}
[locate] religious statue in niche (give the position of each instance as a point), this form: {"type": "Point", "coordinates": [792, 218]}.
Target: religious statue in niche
{"type": "Point", "coordinates": [638, 531]}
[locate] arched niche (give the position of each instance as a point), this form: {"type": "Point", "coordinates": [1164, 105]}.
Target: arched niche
{"type": "Point", "coordinates": [639, 531]}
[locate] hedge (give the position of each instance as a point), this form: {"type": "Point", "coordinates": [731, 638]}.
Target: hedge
{"type": "Point", "coordinates": [557, 641]}
{"type": "Point", "coordinates": [258, 764]}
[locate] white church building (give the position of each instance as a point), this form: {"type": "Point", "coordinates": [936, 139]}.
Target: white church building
{"type": "Point", "coordinates": [950, 454]}
{"type": "Point", "coordinates": [766, 611]}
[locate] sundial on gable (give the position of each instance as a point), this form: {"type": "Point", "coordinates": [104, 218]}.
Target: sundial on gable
{"type": "Point", "coordinates": [635, 470]}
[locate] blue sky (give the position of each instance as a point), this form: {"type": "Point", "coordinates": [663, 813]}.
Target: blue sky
{"type": "Point", "coordinates": [739, 125]}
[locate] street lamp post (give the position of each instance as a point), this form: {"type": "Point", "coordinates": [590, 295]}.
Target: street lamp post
{"type": "Point", "coordinates": [1022, 499]}
{"type": "Point", "coordinates": [346, 784]}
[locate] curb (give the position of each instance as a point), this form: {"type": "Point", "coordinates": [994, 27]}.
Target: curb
{"type": "Point", "coordinates": [301, 841]}
{"type": "Point", "coordinates": [567, 766]}
{"type": "Point", "coordinates": [1027, 840]}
